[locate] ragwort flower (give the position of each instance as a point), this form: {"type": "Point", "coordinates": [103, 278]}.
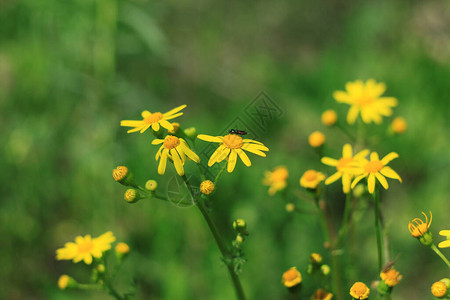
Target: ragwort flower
{"type": "Point", "coordinates": [322, 295]}
{"type": "Point", "coordinates": [446, 243]}
{"type": "Point", "coordinates": [231, 146]}
{"type": "Point", "coordinates": [276, 179]}
{"type": "Point", "coordinates": [365, 98]}
{"type": "Point", "coordinates": [154, 120]}
{"type": "Point", "coordinates": [291, 278]}
{"type": "Point", "coordinates": [176, 149]}
{"type": "Point", "coordinates": [344, 166]}
{"type": "Point", "coordinates": [85, 248]}
{"type": "Point", "coordinates": [418, 228]}
{"type": "Point", "coordinates": [359, 291]}
{"type": "Point", "coordinates": [391, 277]}
{"type": "Point", "coordinates": [311, 179]}
{"type": "Point", "coordinates": [375, 168]}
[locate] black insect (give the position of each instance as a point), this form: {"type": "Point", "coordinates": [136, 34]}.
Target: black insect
{"type": "Point", "coordinates": [238, 132]}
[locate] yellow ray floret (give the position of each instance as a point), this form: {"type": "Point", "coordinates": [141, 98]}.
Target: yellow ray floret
{"type": "Point", "coordinates": [85, 248]}
{"type": "Point", "coordinates": [445, 244]}
{"type": "Point", "coordinates": [176, 149]}
{"type": "Point", "coordinates": [418, 228]}
{"type": "Point", "coordinates": [154, 120]}
{"type": "Point", "coordinates": [375, 168]}
{"type": "Point", "coordinates": [231, 146]}
{"type": "Point", "coordinates": [365, 99]}
{"type": "Point", "coordinates": [276, 179]}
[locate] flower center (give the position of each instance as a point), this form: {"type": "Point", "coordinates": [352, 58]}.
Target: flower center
{"type": "Point", "coordinates": [290, 275]}
{"type": "Point", "coordinates": [343, 162]}
{"type": "Point", "coordinates": [85, 247]}
{"type": "Point", "coordinates": [364, 101]}
{"type": "Point", "coordinates": [310, 175]}
{"type": "Point", "coordinates": [280, 175]}
{"type": "Point", "coordinates": [373, 166]}
{"type": "Point", "coordinates": [359, 289]}
{"type": "Point", "coordinates": [232, 141]}
{"type": "Point", "coordinates": [171, 142]}
{"type": "Point", "coordinates": [152, 118]}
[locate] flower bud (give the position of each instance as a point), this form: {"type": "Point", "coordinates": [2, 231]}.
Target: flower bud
{"type": "Point", "coordinates": [383, 288]}
{"type": "Point", "coordinates": [325, 269]}
{"type": "Point", "coordinates": [240, 226]}
{"type": "Point", "coordinates": [439, 289]}
{"type": "Point", "coordinates": [399, 125]}
{"type": "Point", "coordinates": [329, 117]}
{"type": "Point", "coordinates": [207, 187]}
{"type": "Point", "coordinates": [122, 175]}
{"type": "Point", "coordinates": [66, 282]}
{"type": "Point", "coordinates": [240, 238]}
{"type": "Point", "coordinates": [359, 190]}
{"type": "Point", "coordinates": [316, 139]}
{"type": "Point", "coordinates": [176, 126]}
{"type": "Point", "coordinates": [315, 258]}
{"type": "Point", "coordinates": [291, 278]}
{"type": "Point", "coordinates": [132, 196]}
{"type": "Point", "coordinates": [151, 185]}
{"type": "Point", "coordinates": [426, 239]}
{"type": "Point", "coordinates": [290, 207]}
{"type": "Point", "coordinates": [190, 132]}
{"type": "Point", "coordinates": [100, 268]}
{"type": "Point", "coordinates": [121, 251]}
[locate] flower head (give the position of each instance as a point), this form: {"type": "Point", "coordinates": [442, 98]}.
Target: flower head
{"type": "Point", "coordinates": [315, 258]}
{"type": "Point", "coordinates": [418, 228]}
{"type": "Point", "coordinates": [122, 175]}
{"type": "Point", "coordinates": [151, 185]}
{"type": "Point", "coordinates": [391, 277]}
{"type": "Point", "coordinates": [207, 187]}
{"type": "Point", "coordinates": [154, 120]}
{"type": "Point", "coordinates": [375, 168]}
{"type": "Point", "coordinates": [85, 248]}
{"type": "Point", "coordinates": [322, 295]}
{"type": "Point", "coordinates": [176, 149]}
{"type": "Point", "coordinates": [291, 277]}
{"type": "Point", "coordinates": [359, 291]}
{"type": "Point", "coordinates": [399, 125]}
{"type": "Point", "coordinates": [122, 248]}
{"type": "Point", "coordinates": [311, 179]}
{"type": "Point", "coordinates": [329, 117]}
{"type": "Point", "coordinates": [439, 289]}
{"type": "Point", "coordinates": [316, 139]}
{"type": "Point", "coordinates": [276, 179]}
{"type": "Point", "coordinates": [290, 207]}
{"type": "Point", "coordinates": [444, 244]}
{"type": "Point", "coordinates": [344, 166]}
{"type": "Point", "coordinates": [231, 146]}
{"type": "Point", "coordinates": [365, 98]}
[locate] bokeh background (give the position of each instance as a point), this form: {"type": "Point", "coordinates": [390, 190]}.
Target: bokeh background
{"type": "Point", "coordinates": [71, 70]}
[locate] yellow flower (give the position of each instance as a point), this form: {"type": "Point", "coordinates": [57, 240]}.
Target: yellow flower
{"type": "Point", "coordinates": [276, 179]}
{"type": "Point", "coordinates": [366, 98]}
{"type": "Point", "coordinates": [176, 149]}
{"type": "Point", "coordinates": [206, 187]}
{"type": "Point", "coordinates": [315, 258]}
{"type": "Point", "coordinates": [322, 295]}
{"type": "Point", "coordinates": [359, 291]}
{"type": "Point", "coordinates": [154, 120]}
{"type": "Point", "coordinates": [444, 244]}
{"type": "Point", "coordinates": [291, 277]}
{"type": "Point", "coordinates": [418, 228]}
{"type": "Point", "coordinates": [439, 289]}
{"type": "Point", "coordinates": [391, 277]}
{"type": "Point", "coordinates": [311, 179]}
{"type": "Point", "coordinates": [63, 281]}
{"type": "Point", "coordinates": [176, 126]}
{"type": "Point", "coordinates": [344, 166]}
{"type": "Point", "coordinates": [151, 185]}
{"type": "Point", "coordinates": [122, 248]}
{"type": "Point", "coordinates": [85, 248]}
{"type": "Point", "coordinates": [375, 168]}
{"type": "Point", "coordinates": [230, 147]}
{"type": "Point", "coordinates": [316, 139]}
{"type": "Point", "coordinates": [329, 117]}
{"type": "Point", "coordinates": [399, 125]}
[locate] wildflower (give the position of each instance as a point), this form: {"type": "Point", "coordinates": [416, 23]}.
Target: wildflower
{"type": "Point", "coordinates": [151, 185]}
{"type": "Point", "coordinates": [290, 207]}
{"type": "Point", "coordinates": [85, 248]}
{"type": "Point", "coordinates": [154, 120]}
{"type": "Point", "coordinates": [122, 175]}
{"type": "Point", "coordinates": [444, 244]}
{"type": "Point", "coordinates": [316, 139]}
{"type": "Point", "coordinates": [439, 289]}
{"type": "Point", "coordinates": [176, 149]}
{"type": "Point", "coordinates": [329, 117]}
{"type": "Point", "coordinates": [344, 166]}
{"type": "Point", "coordinates": [240, 225]}
{"type": "Point", "coordinates": [325, 269]}
{"type": "Point", "coordinates": [175, 126]}
{"type": "Point", "coordinates": [207, 187]}
{"type": "Point", "coordinates": [359, 291]}
{"type": "Point", "coordinates": [276, 179]}
{"type": "Point", "coordinates": [122, 248]}
{"type": "Point", "coordinates": [399, 125]}
{"type": "Point", "coordinates": [65, 282]}
{"type": "Point", "coordinates": [375, 168]}
{"type": "Point", "coordinates": [315, 258]}
{"type": "Point", "coordinates": [322, 295]}
{"type": "Point", "coordinates": [132, 196]}
{"type": "Point", "coordinates": [291, 277]}
{"type": "Point", "coordinates": [230, 147]}
{"type": "Point", "coordinates": [365, 98]}
{"type": "Point", "coordinates": [311, 179]}
{"type": "Point", "coordinates": [391, 277]}
{"type": "Point", "coordinates": [419, 229]}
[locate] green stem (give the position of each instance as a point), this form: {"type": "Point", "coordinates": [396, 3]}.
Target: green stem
{"type": "Point", "coordinates": [220, 173]}
{"type": "Point", "coordinates": [438, 252]}
{"type": "Point", "coordinates": [220, 243]}
{"type": "Point", "coordinates": [90, 287]}
{"type": "Point", "coordinates": [376, 197]}
{"type": "Point", "coordinates": [346, 132]}
{"type": "Point", "coordinates": [345, 221]}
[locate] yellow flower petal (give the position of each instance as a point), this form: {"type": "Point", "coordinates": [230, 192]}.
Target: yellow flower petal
{"type": "Point", "coordinates": [371, 183]}
{"type": "Point", "coordinates": [145, 114]}
{"type": "Point", "coordinates": [131, 123]}
{"type": "Point", "coordinates": [166, 124]}
{"type": "Point", "coordinates": [352, 114]}
{"type": "Point", "coordinates": [175, 110]}
{"type": "Point", "coordinates": [223, 155]}
{"type": "Point", "coordinates": [333, 178]}
{"type": "Point", "coordinates": [212, 160]}
{"type": "Point", "coordinates": [177, 161]}
{"type": "Point", "coordinates": [329, 161]}
{"type": "Point", "coordinates": [155, 126]}
{"type": "Point", "coordinates": [231, 161]}
{"type": "Point", "coordinates": [157, 141]}
{"type": "Point", "coordinates": [163, 162]}
{"type": "Point", "coordinates": [444, 244]}
{"type": "Point", "coordinates": [173, 116]}
{"type": "Point", "coordinates": [388, 172]}
{"type": "Point", "coordinates": [374, 156]}
{"type": "Point", "coordinates": [358, 179]}
{"type": "Point", "coordinates": [209, 138]}
{"type": "Point", "coordinates": [244, 157]}
{"type": "Point", "coordinates": [389, 157]}
{"type": "Point", "coordinates": [382, 180]}
{"type": "Point", "coordinates": [444, 233]}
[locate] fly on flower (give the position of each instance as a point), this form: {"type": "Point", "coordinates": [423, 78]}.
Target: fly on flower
{"type": "Point", "coordinates": [236, 131]}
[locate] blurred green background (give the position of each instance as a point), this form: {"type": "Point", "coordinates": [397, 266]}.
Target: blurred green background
{"type": "Point", "coordinates": [71, 70]}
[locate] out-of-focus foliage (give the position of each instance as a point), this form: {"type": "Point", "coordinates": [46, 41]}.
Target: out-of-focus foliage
{"type": "Point", "coordinates": [71, 70]}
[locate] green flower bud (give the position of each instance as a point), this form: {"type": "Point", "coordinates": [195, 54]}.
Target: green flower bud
{"type": "Point", "coordinates": [66, 282]}
{"type": "Point", "coordinates": [122, 175]}
{"type": "Point", "coordinates": [426, 239]}
{"type": "Point", "coordinates": [240, 226]}
{"type": "Point", "coordinates": [190, 132]}
{"type": "Point", "coordinates": [325, 269]}
{"type": "Point", "coordinates": [132, 196]}
{"type": "Point", "coordinates": [151, 185]}
{"type": "Point", "coordinates": [383, 288]}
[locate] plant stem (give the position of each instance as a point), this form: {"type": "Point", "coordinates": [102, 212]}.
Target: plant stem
{"type": "Point", "coordinates": [376, 197]}
{"type": "Point", "coordinates": [344, 226]}
{"type": "Point", "coordinates": [438, 252]}
{"type": "Point", "coordinates": [220, 243]}
{"type": "Point", "coordinates": [346, 132]}
{"type": "Point", "coordinates": [220, 173]}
